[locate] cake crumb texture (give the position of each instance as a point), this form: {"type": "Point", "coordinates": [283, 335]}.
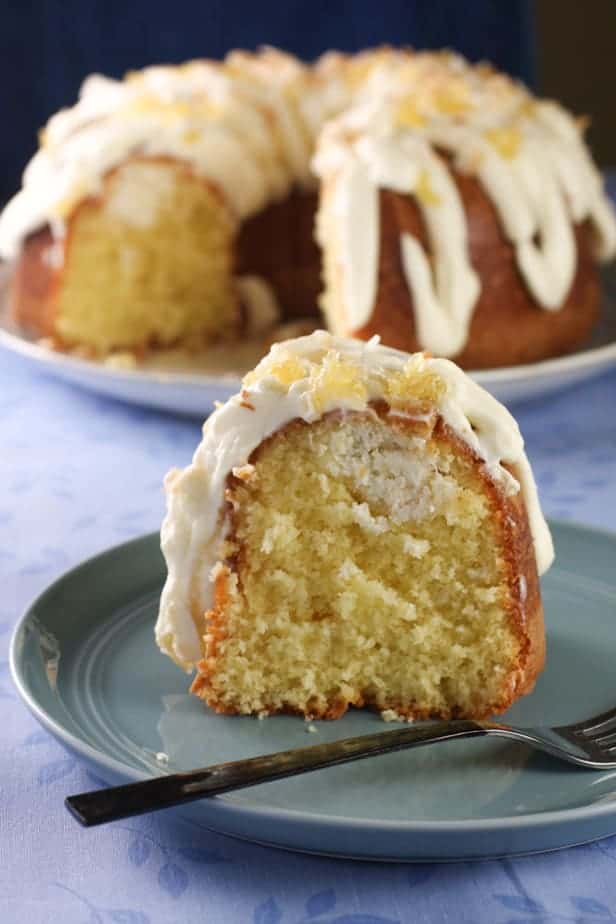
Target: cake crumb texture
{"type": "Point", "coordinates": [165, 239]}
{"type": "Point", "coordinates": [365, 564]}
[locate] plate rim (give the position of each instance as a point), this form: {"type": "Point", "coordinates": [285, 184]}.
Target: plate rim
{"type": "Point", "coordinates": [45, 356]}
{"type": "Point", "coordinates": [558, 364]}
{"type": "Point", "coordinates": [225, 803]}
{"type": "Point", "coordinates": [510, 375]}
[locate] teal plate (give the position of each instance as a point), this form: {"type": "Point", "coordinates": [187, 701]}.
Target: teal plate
{"type": "Point", "coordinates": [84, 660]}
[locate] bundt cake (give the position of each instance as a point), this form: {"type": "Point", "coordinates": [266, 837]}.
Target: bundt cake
{"type": "Point", "coordinates": [457, 213]}
{"type": "Point", "coordinates": [359, 527]}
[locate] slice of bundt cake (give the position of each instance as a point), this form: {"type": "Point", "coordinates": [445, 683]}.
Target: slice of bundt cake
{"type": "Point", "coordinates": [358, 527]}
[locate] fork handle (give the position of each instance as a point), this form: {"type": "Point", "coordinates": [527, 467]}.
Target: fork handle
{"type": "Point", "coordinates": [103, 805]}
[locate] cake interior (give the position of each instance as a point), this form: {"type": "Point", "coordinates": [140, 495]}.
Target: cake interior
{"type": "Point", "coordinates": [164, 238]}
{"type": "Point", "coordinates": [363, 568]}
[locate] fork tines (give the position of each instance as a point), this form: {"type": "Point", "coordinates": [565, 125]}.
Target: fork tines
{"type": "Point", "coordinates": [597, 726]}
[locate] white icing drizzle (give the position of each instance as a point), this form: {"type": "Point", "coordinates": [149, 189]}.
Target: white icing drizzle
{"type": "Point", "coordinates": [260, 303]}
{"type": "Point", "coordinates": [548, 263]}
{"type": "Point", "coordinates": [443, 304]}
{"type": "Point", "coordinates": [380, 119]}
{"type": "Point", "coordinates": [193, 530]}
{"type": "Point", "coordinates": [528, 156]}
{"type": "Point", "coordinates": [441, 320]}
{"type": "Point", "coordinates": [357, 204]}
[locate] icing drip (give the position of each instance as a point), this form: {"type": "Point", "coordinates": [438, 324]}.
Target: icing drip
{"type": "Point", "coordinates": [443, 304]}
{"type": "Point", "coordinates": [528, 156]}
{"type": "Point", "coordinates": [260, 303]}
{"type": "Point", "coordinates": [547, 261]}
{"type": "Point", "coordinates": [358, 207]}
{"type": "Point", "coordinates": [442, 307]}
{"type": "Point", "coordinates": [291, 383]}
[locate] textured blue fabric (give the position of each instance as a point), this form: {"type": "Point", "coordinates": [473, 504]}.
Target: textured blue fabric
{"type": "Point", "coordinates": [47, 47]}
{"type": "Point", "coordinates": [80, 473]}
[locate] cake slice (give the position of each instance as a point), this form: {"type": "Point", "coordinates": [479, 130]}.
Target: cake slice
{"type": "Point", "coordinates": [359, 527]}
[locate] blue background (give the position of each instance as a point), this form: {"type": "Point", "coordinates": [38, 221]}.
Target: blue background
{"type": "Point", "coordinates": [47, 47]}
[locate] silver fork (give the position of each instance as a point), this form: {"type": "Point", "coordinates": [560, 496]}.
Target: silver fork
{"type": "Point", "coordinates": [590, 744]}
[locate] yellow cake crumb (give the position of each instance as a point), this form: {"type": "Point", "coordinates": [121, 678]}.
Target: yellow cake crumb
{"type": "Point", "coordinates": [364, 571]}
{"type": "Point", "coordinates": [165, 240]}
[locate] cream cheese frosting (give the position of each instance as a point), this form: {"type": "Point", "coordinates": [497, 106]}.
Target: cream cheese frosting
{"type": "Point", "coordinates": [294, 382]}
{"type": "Point", "coordinates": [527, 154]}
{"type": "Point", "coordinates": [242, 134]}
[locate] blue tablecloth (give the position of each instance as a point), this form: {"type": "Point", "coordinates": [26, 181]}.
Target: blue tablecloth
{"type": "Point", "coordinates": [80, 473]}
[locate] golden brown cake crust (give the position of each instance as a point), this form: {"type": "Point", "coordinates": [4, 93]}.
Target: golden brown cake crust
{"type": "Point", "coordinates": [508, 327]}
{"type": "Point", "coordinates": [525, 611]}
